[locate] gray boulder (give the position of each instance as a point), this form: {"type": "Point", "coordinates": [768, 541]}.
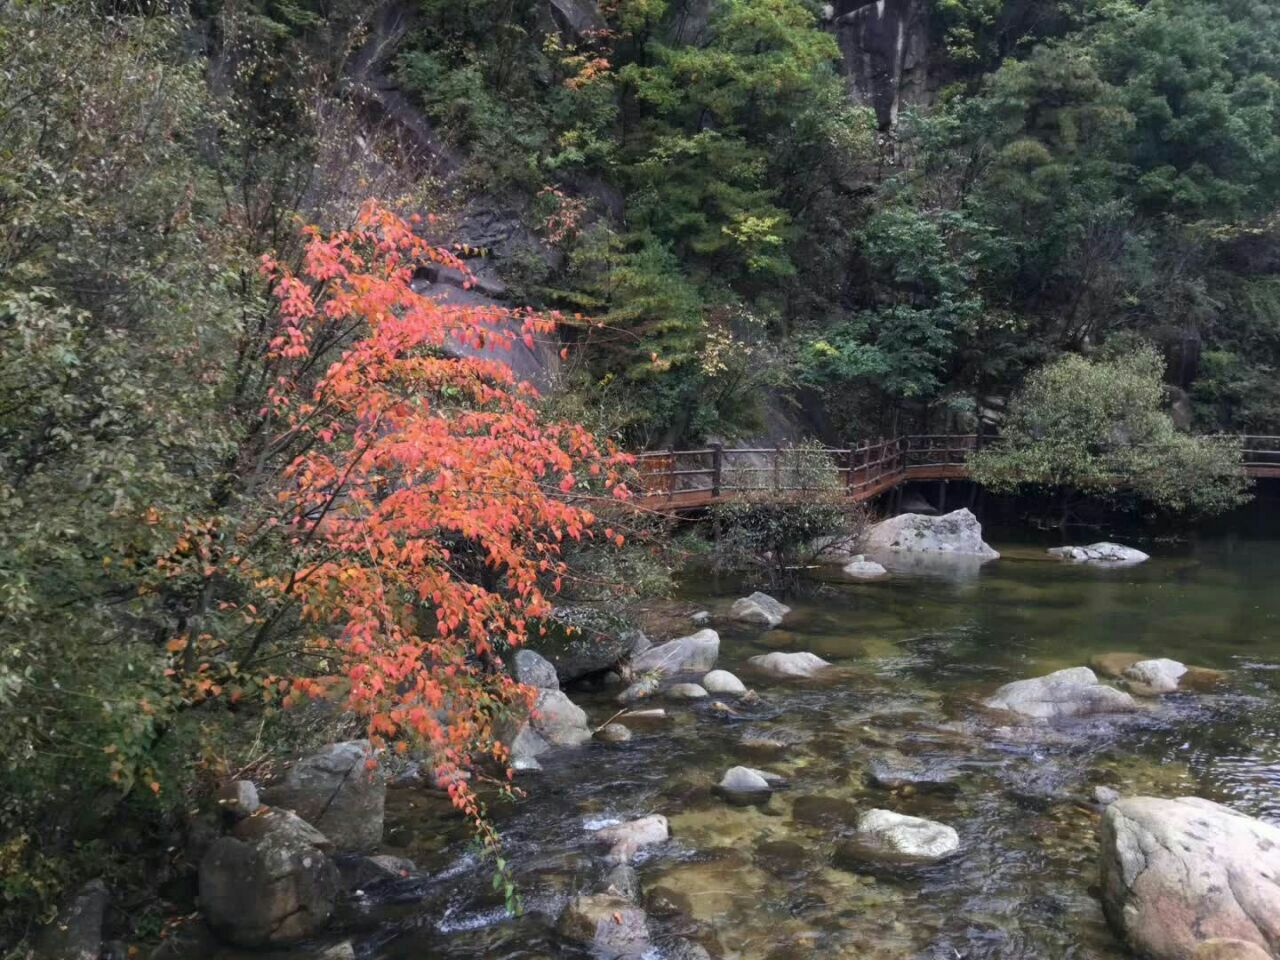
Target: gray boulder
{"type": "Point", "coordinates": [957, 533]}
{"type": "Point", "coordinates": [695, 653]}
{"type": "Point", "coordinates": [747, 785]}
{"type": "Point", "coordinates": [614, 733]}
{"type": "Point", "coordinates": [1176, 872]}
{"type": "Point", "coordinates": [759, 608]}
{"type": "Point", "coordinates": [623, 881]}
{"type": "Point", "coordinates": [609, 925]}
{"type": "Point", "coordinates": [580, 641]}
{"type": "Point", "coordinates": [534, 670]}
{"type": "Point", "coordinates": [789, 665]}
{"type": "Point", "coordinates": [894, 839]}
{"type": "Point", "coordinates": [899, 772]}
{"type": "Point", "coordinates": [238, 799]}
{"type": "Point", "coordinates": [640, 690]}
{"type": "Point", "coordinates": [1104, 554]}
{"type": "Point", "coordinates": [722, 681]}
{"type": "Point", "coordinates": [1074, 692]}
{"type": "Point", "coordinates": [270, 882]}
{"type": "Point", "coordinates": [336, 792]}
{"type": "Point", "coordinates": [559, 720]}
{"type": "Point", "coordinates": [76, 932]}
{"type": "Point", "coordinates": [526, 746]}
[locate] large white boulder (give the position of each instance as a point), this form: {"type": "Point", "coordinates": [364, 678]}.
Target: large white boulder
{"type": "Point", "coordinates": [1104, 553]}
{"type": "Point", "coordinates": [1178, 872]}
{"type": "Point", "coordinates": [957, 533]}
{"type": "Point", "coordinates": [885, 837]}
{"type": "Point", "coordinates": [1075, 692]}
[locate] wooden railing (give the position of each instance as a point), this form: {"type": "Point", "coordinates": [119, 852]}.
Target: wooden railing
{"type": "Point", "coordinates": [693, 478]}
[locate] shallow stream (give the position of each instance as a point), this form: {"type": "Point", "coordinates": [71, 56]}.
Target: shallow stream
{"type": "Point", "coordinates": [914, 654]}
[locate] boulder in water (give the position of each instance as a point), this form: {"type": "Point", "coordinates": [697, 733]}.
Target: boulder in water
{"type": "Point", "coordinates": [789, 665]}
{"type": "Point", "coordinates": [863, 569]}
{"type": "Point", "coordinates": [1115, 663]}
{"type": "Point", "coordinates": [957, 533]}
{"type": "Point", "coordinates": [614, 733]}
{"type": "Point", "coordinates": [1176, 872]}
{"type": "Point", "coordinates": [1074, 692]}
{"type": "Point", "coordinates": [584, 640]}
{"type": "Point", "coordinates": [759, 608]}
{"type": "Point", "coordinates": [722, 681]}
{"type": "Point", "coordinates": [694, 653]}
{"type": "Point", "coordinates": [912, 773]}
{"type": "Point", "coordinates": [609, 925]}
{"type": "Point", "coordinates": [747, 785]}
{"type": "Point", "coordinates": [640, 690]}
{"type": "Point", "coordinates": [1105, 554]}
{"type": "Point", "coordinates": [340, 791]}
{"type": "Point", "coordinates": [894, 839]}
{"type": "Point", "coordinates": [626, 838]}
{"type": "Point", "coordinates": [559, 720]}
{"type": "Point", "coordinates": [270, 882]}
{"type": "Point", "coordinates": [687, 691]}
{"type": "Point", "coordinates": [1154, 676]}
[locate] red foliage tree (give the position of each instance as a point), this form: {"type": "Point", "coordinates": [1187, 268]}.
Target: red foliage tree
{"type": "Point", "coordinates": [432, 499]}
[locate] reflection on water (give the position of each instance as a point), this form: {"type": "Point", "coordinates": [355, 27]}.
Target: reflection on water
{"type": "Point", "coordinates": [914, 654]}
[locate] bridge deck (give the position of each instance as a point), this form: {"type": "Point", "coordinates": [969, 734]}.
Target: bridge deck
{"type": "Point", "coordinates": [689, 479]}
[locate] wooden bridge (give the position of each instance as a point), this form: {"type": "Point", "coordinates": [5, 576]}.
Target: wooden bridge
{"type": "Point", "coordinates": [687, 479]}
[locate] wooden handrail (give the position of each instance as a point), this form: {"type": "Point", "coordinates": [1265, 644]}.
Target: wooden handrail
{"type": "Point", "coordinates": [865, 469]}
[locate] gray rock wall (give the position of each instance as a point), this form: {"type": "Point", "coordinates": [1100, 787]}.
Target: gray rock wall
{"type": "Point", "coordinates": [884, 45]}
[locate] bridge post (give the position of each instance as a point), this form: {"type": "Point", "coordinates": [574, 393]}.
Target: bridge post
{"type": "Point", "coordinates": [717, 469]}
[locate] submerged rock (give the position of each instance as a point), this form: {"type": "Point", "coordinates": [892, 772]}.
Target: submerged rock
{"type": "Point", "coordinates": [920, 776]}
{"type": "Point", "coordinates": [863, 569]}
{"type": "Point", "coordinates": [611, 925]}
{"type": "Point", "coordinates": [1109, 554]}
{"type": "Point", "coordinates": [1074, 692]}
{"type": "Point", "coordinates": [759, 608]}
{"type": "Point", "coordinates": [816, 810]}
{"type": "Point", "coordinates": [1176, 872]}
{"type": "Point", "coordinates": [1115, 663]}
{"type": "Point", "coordinates": [956, 533]}
{"type": "Point", "coordinates": [270, 882]}
{"type": "Point", "coordinates": [695, 653]}
{"type": "Point", "coordinates": [894, 839]}
{"type": "Point", "coordinates": [626, 838]}
{"type": "Point", "coordinates": [340, 791]}
{"type": "Point", "coordinates": [622, 880]}
{"type": "Point", "coordinates": [789, 665]}
{"type": "Point", "coordinates": [559, 720]}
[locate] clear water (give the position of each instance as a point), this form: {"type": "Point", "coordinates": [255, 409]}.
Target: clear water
{"type": "Point", "coordinates": [915, 654]}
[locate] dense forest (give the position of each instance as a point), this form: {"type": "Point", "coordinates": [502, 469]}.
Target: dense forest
{"type": "Point", "coordinates": [743, 218]}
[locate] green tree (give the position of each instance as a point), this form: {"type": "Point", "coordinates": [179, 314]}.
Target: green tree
{"type": "Point", "coordinates": [1096, 428]}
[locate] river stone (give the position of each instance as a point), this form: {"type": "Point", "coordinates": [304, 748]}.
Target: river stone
{"type": "Point", "coordinates": [694, 653]}
{"type": "Point", "coordinates": [664, 902]}
{"type": "Point", "coordinates": [526, 746]}
{"type": "Point", "coordinates": [358, 872]}
{"type": "Point", "coordinates": [816, 810]}
{"type": "Point", "coordinates": [784, 858]}
{"type": "Point", "coordinates": [895, 839]}
{"type": "Point", "coordinates": [1155, 676]}
{"type": "Point", "coordinates": [76, 932]}
{"type": "Point", "coordinates": [686, 691]}
{"type": "Point", "coordinates": [584, 640]}
{"type": "Point", "coordinates": [640, 690]}
{"type": "Point", "coordinates": [338, 793]}
{"type": "Point", "coordinates": [1074, 692]}
{"type": "Point", "coordinates": [722, 681]}
{"type": "Point", "coordinates": [957, 533]}
{"type": "Point", "coordinates": [759, 608]}
{"type": "Point", "coordinates": [681, 949]}
{"type": "Point", "coordinates": [610, 925]}
{"type": "Point", "coordinates": [1223, 948]}
{"type": "Point", "coordinates": [270, 882]}
{"type": "Point", "coordinates": [864, 570]}
{"type": "Point", "coordinates": [701, 618]}
{"type": "Point", "coordinates": [559, 720]}
{"type": "Point", "coordinates": [614, 733]}
{"type": "Point", "coordinates": [1104, 796]}
{"type": "Point", "coordinates": [1110, 554]}
{"type": "Point", "coordinates": [789, 665]}
{"type": "Point", "coordinates": [626, 838]}
{"type": "Point", "coordinates": [747, 785]}
{"type": "Point", "coordinates": [534, 670]}
{"type": "Point", "coordinates": [898, 772]}
{"type": "Point", "coordinates": [1175, 872]}
{"type": "Point", "coordinates": [623, 881]}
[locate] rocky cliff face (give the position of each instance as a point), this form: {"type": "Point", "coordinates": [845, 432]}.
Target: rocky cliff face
{"type": "Point", "coordinates": [885, 46]}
